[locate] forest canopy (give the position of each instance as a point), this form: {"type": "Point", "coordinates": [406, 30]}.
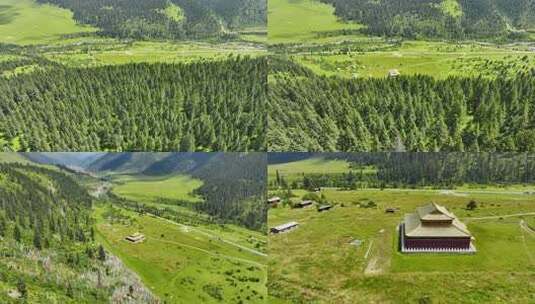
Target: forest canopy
{"type": "Point", "coordinates": [202, 106]}
{"type": "Point", "coordinates": [406, 113]}
{"type": "Point", "coordinates": [452, 19]}
{"type": "Point", "coordinates": [167, 19]}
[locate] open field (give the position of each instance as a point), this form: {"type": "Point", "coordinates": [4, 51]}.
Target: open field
{"type": "Point", "coordinates": [317, 165]}
{"type": "Point", "coordinates": [150, 189]}
{"type": "Point", "coordinates": [294, 21]}
{"type": "Point", "coordinates": [437, 59]}
{"type": "Point", "coordinates": [181, 264]}
{"type": "Point", "coordinates": [25, 22]}
{"type": "Point", "coordinates": [317, 263]}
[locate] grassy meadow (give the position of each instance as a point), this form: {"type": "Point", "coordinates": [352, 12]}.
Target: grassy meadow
{"type": "Point", "coordinates": [183, 264]}
{"type": "Point", "coordinates": [25, 22]}
{"type": "Point", "coordinates": [313, 37]}
{"type": "Point", "coordinates": [300, 21]}
{"type": "Point", "coordinates": [294, 170]}
{"type": "Point", "coordinates": [316, 262]}
{"type": "Point", "coordinates": [150, 189]}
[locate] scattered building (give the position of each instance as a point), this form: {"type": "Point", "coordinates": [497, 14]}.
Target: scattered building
{"type": "Point", "coordinates": [284, 227]}
{"type": "Point", "coordinates": [391, 210]}
{"type": "Point", "coordinates": [304, 204]}
{"type": "Point", "coordinates": [434, 229]}
{"type": "Point", "coordinates": [274, 200]}
{"type": "Point", "coordinates": [356, 243]}
{"type": "Point", "coordinates": [135, 238]}
{"type": "Point", "coordinates": [317, 189]}
{"type": "Point", "coordinates": [324, 208]}
{"type": "Point", "coordinates": [393, 73]}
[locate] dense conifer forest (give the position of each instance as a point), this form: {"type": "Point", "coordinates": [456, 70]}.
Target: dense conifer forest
{"type": "Point", "coordinates": [133, 107]}
{"type": "Point", "coordinates": [47, 246]}
{"type": "Point", "coordinates": [401, 170]}
{"type": "Point", "coordinates": [492, 19]}
{"type": "Point", "coordinates": [169, 19]}
{"type": "Point", "coordinates": [407, 113]}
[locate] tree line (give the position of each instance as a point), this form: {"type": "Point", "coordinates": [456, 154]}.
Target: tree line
{"type": "Point", "coordinates": [202, 106]}
{"type": "Point", "coordinates": [401, 170]}
{"type": "Point", "coordinates": [407, 113]}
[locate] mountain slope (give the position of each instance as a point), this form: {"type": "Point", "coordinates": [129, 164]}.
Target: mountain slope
{"type": "Point", "coordinates": [47, 242]}
{"type": "Point", "coordinates": [439, 18]}
{"type": "Point", "coordinates": [169, 19]}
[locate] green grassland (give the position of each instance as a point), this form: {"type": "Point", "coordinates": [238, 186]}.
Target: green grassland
{"type": "Point", "coordinates": [314, 38]}
{"type": "Point", "coordinates": [150, 189]}
{"type": "Point", "coordinates": [294, 21]}
{"type": "Point", "coordinates": [294, 169]}
{"type": "Point", "coordinates": [182, 264]}
{"type": "Point", "coordinates": [437, 59]}
{"type": "Point", "coordinates": [316, 262]}
{"type": "Point", "coordinates": [25, 22]}
{"type": "Point", "coordinates": [12, 157]}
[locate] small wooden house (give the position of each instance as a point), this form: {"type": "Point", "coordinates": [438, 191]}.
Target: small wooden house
{"type": "Point", "coordinates": [135, 238]}
{"type": "Point", "coordinates": [391, 210]}
{"type": "Point", "coordinates": [304, 204]}
{"type": "Point", "coordinates": [324, 208]}
{"type": "Point", "coordinates": [284, 227]}
{"type": "Point", "coordinates": [274, 200]}
{"type": "Point", "coordinates": [393, 73]}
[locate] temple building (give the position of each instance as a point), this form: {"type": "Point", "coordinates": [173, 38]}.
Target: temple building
{"type": "Point", "coordinates": [434, 229]}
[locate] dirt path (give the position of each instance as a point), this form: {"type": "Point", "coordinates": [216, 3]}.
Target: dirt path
{"type": "Point", "coordinates": [498, 216]}
{"type": "Point", "coordinates": [213, 236]}
{"type": "Point", "coordinates": [524, 228]}
{"type": "Point", "coordinates": [208, 252]}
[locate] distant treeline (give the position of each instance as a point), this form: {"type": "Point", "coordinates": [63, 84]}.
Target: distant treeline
{"type": "Point", "coordinates": [201, 106]}
{"type": "Point", "coordinates": [408, 113]}
{"type": "Point", "coordinates": [492, 19]}
{"type": "Point", "coordinates": [234, 189]}
{"type": "Point", "coordinates": [169, 19]}
{"type": "Point", "coordinates": [399, 170]}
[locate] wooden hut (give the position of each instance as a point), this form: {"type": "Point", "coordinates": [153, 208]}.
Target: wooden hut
{"type": "Point", "coordinates": [274, 200]}
{"type": "Point", "coordinates": [284, 227]}
{"type": "Point", "coordinates": [432, 228]}
{"type": "Point", "coordinates": [393, 73]}
{"type": "Point", "coordinates": [135, 238]}
{"type": "Point", "coordinates": [304, 204]}
{"type": "Point", "coordinates": [324, 208]}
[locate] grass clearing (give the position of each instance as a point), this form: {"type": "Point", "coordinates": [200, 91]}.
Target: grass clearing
{"type": "Point", "coordinates": [25, 22]}
{"type": "Point", "coordinates": [150, 189]}
{"type": "Point", "coordinates": [308, 166]}
{"type": "Point", "coordinates": [319, 253]}
{"type": "Point", "coordinates": [293, 21]}
{"type": "Point", "coordinates": [182, 265]}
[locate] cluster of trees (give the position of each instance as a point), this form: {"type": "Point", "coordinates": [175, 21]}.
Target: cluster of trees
{"type": "Point", "coordinates": [408, 113]}
{"type": "Point", "coordinates": [169, 19]}
{"type": "Point", "coordinates": [399, 170]}
{"type": "Point", "coordinates": [200, 106]}
{"type": "Point", "coordinates": [43, 207]}
{"type": "Point", "coordinates": [438, 18]}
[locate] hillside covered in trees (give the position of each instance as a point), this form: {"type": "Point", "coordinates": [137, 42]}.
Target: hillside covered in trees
{"type": "Point", "coordinates": [452, 19]}
{"type": "Point", "coordinates": [47, 243]}
{"type": "Point", "coordinates": [203, 106]}
{"type": "Point", "coordinates": [407, 113]}
{"type": "Point", "coordinates": [167, 19]}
